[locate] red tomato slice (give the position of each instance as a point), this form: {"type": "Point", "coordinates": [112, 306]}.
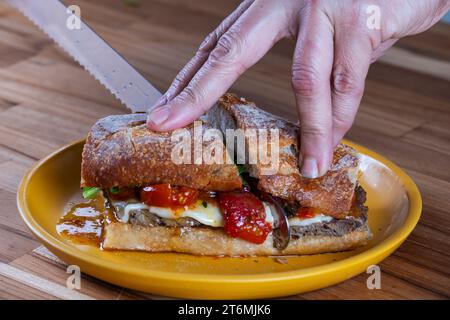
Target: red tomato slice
{"type": "Point", "coordinates": [164, 195]}
{"type": "Point", "coordinates": [244, 216]}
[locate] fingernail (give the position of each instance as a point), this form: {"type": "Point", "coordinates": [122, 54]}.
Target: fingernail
{"type": "Point", "coordinates": [310, 169]}
{"type": "Point", "coordinates": [159, 115]}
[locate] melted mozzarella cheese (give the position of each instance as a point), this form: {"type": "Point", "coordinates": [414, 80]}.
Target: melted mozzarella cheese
{"type": "Point", "coordinates": [268, 211]}
{"type": "Point", "coordinates": [210, 216]}
{"type": "Point", "coordinates": [319, 218]}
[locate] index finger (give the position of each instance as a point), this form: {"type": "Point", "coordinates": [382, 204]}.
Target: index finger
{"type": "Point", "coordinates": [183, 78]}
{"type": "Point", "coordinates": [238, 49]}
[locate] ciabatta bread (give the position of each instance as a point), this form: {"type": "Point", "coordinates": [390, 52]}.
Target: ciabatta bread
{"type": "Point", "coordinates": [215, 242]}
{"type": "Point", "coordinates": [331, 193]}
{"type": "Point", "coordinates": [122, 151]}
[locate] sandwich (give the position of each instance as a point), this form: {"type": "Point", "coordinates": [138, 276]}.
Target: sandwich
{"type": "Point", "coordinates": [221, 208]}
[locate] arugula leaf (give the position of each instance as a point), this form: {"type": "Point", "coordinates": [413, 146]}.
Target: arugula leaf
{"type": "Point", "coordinates": [114, 190]}
{"type": "Point", "coordinates": [90, 192]}
{"type": "Point", "coordinates": [241, 169]}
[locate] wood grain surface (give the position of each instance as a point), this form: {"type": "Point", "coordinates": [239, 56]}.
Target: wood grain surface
{"type": "Point", "coordinates": [47, 100]}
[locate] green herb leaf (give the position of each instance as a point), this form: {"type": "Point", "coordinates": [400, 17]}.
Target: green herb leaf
{"type": "Point", "coordinates": [114, 190]}
{"type": "Point", "coordinates": [241, 168]}
{"type": "Point", "coordinates": [205, 204]}
{"type": "Point", "coordinates": [90, 192]}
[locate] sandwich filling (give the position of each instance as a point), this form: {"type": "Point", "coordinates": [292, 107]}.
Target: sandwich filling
{"type": "Point", "coordinates": [239, 213]}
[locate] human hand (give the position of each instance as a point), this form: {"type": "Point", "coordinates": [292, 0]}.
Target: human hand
{"type": "Point", "coordinates": [334, 49]}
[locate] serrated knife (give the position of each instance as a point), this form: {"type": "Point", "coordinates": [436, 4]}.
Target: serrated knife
{"type": "Point", "coordinates": [91, 52]}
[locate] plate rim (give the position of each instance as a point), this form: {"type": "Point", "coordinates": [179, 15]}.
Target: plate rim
{"type": "Point", "coordinates": [387, 245]}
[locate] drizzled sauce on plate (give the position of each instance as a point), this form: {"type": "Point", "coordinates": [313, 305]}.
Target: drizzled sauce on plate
{"type": "Point", "coordinates": [83, 222]}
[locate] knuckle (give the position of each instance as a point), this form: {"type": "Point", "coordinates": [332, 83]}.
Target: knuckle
{"type": "Point", "coordinates": [189, 95]}
{"type": "Point", "coordinates": [344, 114]}
{"type": "Point", "coordinates": [305, 80]}
{"type": "Point", "coordinates": [345, 82]}
{"type": "Point", "coordinates": [342, 122]}
{"type": "Point", "coordinates": [193, 97]}
{"type": "Point", "coordinates": [179, 79]}
{"type": "Point", "coordinates": [228, 48]}
{"type": "Point", "coordinates": [208, 43]}
{"type": "Point", "coordinates": [311, 130]}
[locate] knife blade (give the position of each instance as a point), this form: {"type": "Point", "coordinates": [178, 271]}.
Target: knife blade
{"type": "Point", "coordinates": [92, 52]}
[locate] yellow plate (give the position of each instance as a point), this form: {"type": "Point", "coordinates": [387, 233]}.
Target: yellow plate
{"type": "Point", "coordinates": [394, 209]}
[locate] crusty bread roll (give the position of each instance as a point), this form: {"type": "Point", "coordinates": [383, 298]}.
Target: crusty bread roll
{"type": "Point", "coordinates": [122, 151]}
{"type": "Point", "coordinates": [215, 242]}
{"type": "Point", "coordinates": [331, 193]}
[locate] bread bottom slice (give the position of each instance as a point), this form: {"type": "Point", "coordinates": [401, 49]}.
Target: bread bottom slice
{"type": "Point", "coordinates": [215, 242]}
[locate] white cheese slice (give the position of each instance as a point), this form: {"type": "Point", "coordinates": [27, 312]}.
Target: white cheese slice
{"type": "Point", "coordinates": [319, 218]}
{"type": "Point", "coordinates": [269, 216]}
{"type": "Point", "coordinates": [209, 215]}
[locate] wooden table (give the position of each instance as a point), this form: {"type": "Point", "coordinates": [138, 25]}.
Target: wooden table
{"type": "Point", "coordinates": [47, 100]}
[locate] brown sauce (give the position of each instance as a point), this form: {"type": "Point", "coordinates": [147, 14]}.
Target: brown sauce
{"type": "Point", "coordinates": [83, 223]}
